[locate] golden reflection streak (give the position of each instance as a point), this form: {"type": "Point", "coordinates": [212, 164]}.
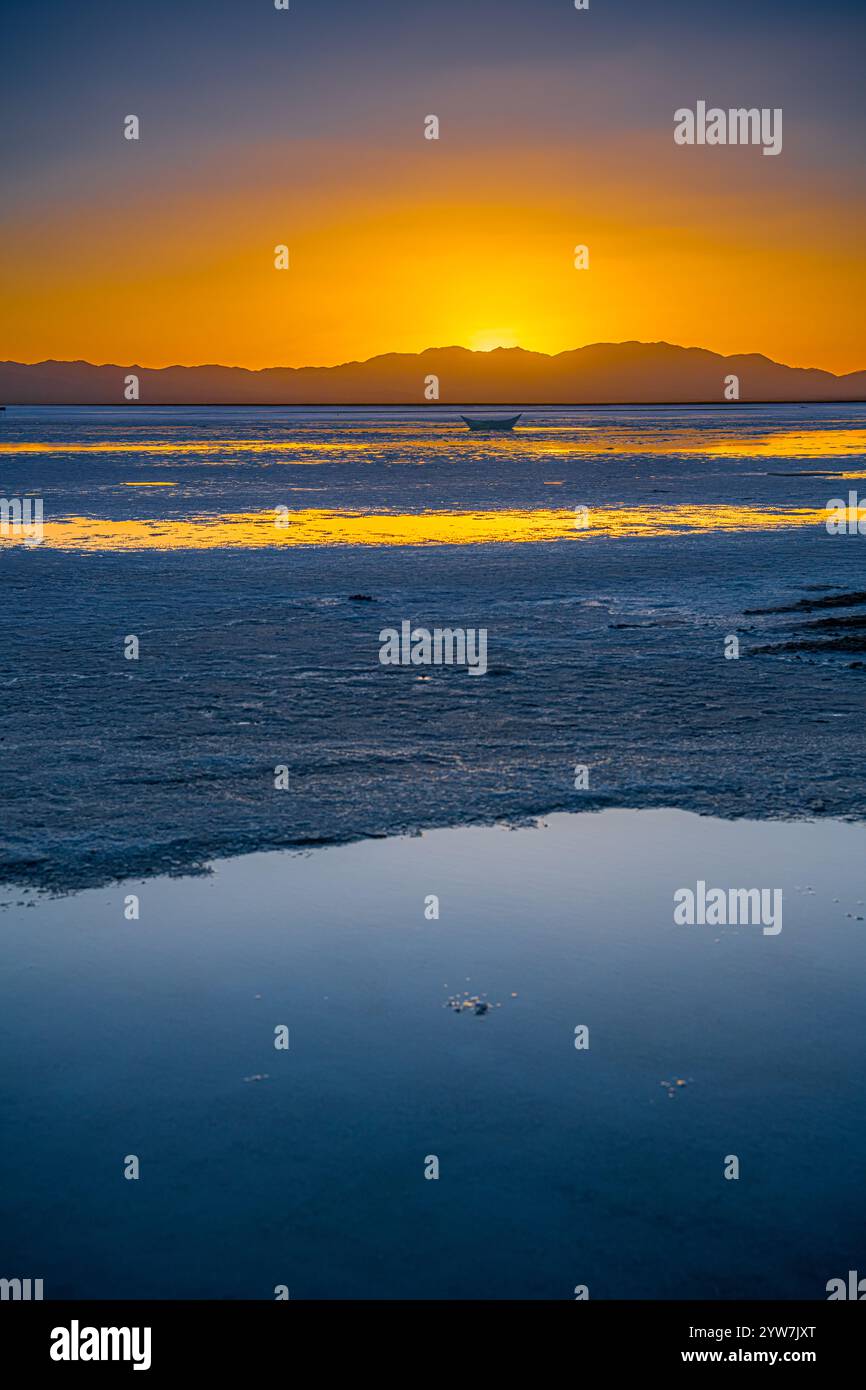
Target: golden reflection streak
{"type": "Point", "coordinates": [320, 527]}
{"type": "Point", "coordinates": [444, 436]}
{"type": "Point", "coordinates": [784, 444]}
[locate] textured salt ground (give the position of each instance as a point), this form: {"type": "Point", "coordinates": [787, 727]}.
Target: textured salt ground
{"type": "Point", "coordinates": [844, 632]}
{"type": "Point", "coordinates": [609, 655]}
{"type": "Point", "coordinates": [606, 652]}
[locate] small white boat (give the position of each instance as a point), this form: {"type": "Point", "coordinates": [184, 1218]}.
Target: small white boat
{"type": "Point", "coordinates": [491, 422]}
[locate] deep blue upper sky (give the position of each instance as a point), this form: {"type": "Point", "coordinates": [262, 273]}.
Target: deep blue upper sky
{"type": "Point", "coordinates": [233, 63]}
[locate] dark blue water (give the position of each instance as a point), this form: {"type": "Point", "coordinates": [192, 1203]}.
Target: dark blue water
{"type": "Point", "coordinates": [558, 1167]}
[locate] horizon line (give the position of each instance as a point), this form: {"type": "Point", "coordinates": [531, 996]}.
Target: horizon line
{"type": "Point", "coordinates": [440, 405]}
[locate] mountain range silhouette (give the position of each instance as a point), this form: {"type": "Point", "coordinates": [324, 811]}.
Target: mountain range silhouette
{"type": "Point", "coordinates": [615, 373]}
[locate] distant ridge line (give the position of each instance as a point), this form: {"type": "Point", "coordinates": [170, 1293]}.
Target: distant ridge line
{"type": "Point", "coordinates": [602, 374]}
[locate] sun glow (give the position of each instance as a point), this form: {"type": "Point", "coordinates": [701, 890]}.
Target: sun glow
{"type": "Point", "coordinates": [488, 339]}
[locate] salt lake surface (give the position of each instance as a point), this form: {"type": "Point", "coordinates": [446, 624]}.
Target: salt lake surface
{"type": "Point", "coordinates": [259, 647]}
{"type": "Point", "coordinates": [605, 644]}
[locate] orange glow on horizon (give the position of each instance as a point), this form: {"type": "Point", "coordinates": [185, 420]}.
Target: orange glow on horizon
{"type": "Point", "coordinates": [387, 258]}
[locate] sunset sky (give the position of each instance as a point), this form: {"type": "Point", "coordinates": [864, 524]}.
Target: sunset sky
{"type": "Point", "coordinates": [306, 127]}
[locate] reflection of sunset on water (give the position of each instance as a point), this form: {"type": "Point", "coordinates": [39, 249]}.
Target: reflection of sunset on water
{"type": "Point", "coordinates": [320, 527]}
{"type": "Point", "coordinates": [444, 438]}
